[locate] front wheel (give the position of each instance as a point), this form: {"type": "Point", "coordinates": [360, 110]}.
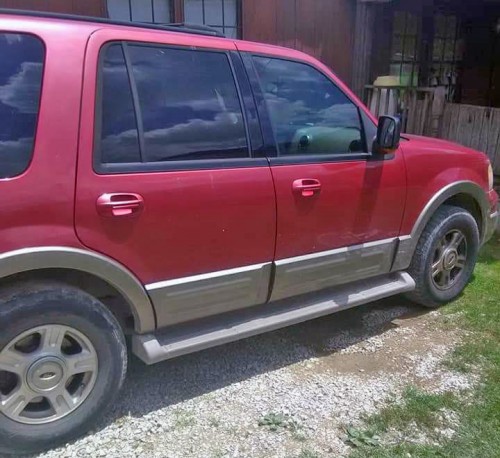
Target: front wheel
{"type": "Point", "coordinates": [62, 361]}
{"type": "Point", "coordinates": [445, 257]}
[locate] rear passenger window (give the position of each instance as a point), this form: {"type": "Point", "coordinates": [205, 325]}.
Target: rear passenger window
{"type": "Point", "coordinates": [120, 139]}
{"type": "Point", "coordinates": [21, 69]}
{"type": "Point", "coordinates": [186, 106]}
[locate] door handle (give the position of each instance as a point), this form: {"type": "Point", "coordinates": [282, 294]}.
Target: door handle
{"type": "Point", "coordinates": [306, 187]}
{"type": "Point", "coordinates": [119, 204]}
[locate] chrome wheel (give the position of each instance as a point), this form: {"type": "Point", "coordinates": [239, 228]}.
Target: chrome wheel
{"type": "Point", "coordinates": [46, 373]}
{"type": "Point", "coordinates": [449, 260]}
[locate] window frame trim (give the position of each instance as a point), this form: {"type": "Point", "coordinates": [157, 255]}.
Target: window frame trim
{"type": "Point", "coordinates": [102, 168]}
{"type": "Point", "coordinates": [264, 115]}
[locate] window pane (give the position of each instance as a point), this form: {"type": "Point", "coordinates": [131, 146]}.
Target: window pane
{"type": "Point", "coordinates": [411, 24]}
{"type": "Point", "coordinates": [440, 26]}
{"type": "Point", "coordinates": [21, 68]}
{"type": "Point", "coordinates": [193, 11]}
{"type": "Point", "coordinates": [397, 48]}
{"type": "Point", "coordinates": [437, 53]}
{"type": "Point", "coordinates": [451, 27]}
{"type": "Point", "coordinates": [162, 11]}
{"type": "Point", "coordinates": [213, 12]}
{"type": "Point", "coordinates": [410, 52]}
{"type": "Point", "coordinates": [119, 138]}
{"type": "Point", "coordinates": [189, 104]}
{"type": "Point", "coordinates": [310, 115]}
{"type": "Point", "coordinates": [230, 33]}
{"type": "Point", "coordinates": [142, 11]}
{"type": "Point", "coordinates": [118, 10]}
{"type": "Point", "coordinates": [230, 13]}
{"type": "Point", "coordinates": [399, 22]}
{"type": "Point", "coordinates": [218, 13]}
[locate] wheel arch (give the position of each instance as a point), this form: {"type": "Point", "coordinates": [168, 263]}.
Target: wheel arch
{"type": "Point", "coordinates": [72, 265]}
{"type": "Point", "coordinates": [465, 194]}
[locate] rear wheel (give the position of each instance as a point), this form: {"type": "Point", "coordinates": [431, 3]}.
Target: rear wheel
{"type": "Point", "coordinates": [445, 257]}
{"type": "Point", "coordinates": [62, 361]}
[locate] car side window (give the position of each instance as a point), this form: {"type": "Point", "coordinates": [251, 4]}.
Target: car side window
{"type": "Point", "coordinates": [21, 69]}
{"type": "Point", "coordinates": [309, 113]}
{"type": "Point", "coordinates": [119, 134]}
{"type": "Point", "coordinates": [186, 106]}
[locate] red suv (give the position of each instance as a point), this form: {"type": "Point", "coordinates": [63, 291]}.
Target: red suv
{"type": "Point", "coordinates": [187, 190]}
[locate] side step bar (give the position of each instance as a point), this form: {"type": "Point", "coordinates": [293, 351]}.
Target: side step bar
{"type": "Point", "coordinates": [182, 339]}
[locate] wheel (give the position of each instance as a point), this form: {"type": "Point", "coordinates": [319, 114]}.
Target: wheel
{"type": "Point", "coordinates": [445, 257]}
{"type": "Point", "coordinates": [62, 361]}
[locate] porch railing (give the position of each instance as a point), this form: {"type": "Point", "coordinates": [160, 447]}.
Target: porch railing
{"type": "Point", "coordinates": [424, 111]}
{"type": "Point", "coordinates": [420, 108]}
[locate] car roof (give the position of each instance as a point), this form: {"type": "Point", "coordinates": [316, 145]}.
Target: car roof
{"type": "Point", "coordinates": [90, 24]}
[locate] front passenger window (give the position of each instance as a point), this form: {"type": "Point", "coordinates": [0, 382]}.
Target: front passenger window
{"type": "Point", "coordinates": [310, 115]}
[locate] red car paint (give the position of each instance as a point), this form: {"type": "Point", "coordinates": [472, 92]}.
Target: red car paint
{"type": "Point", "coordinates": [199, 221]}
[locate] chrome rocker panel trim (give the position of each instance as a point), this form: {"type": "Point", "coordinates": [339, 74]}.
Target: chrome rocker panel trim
{"type": "Point", "coordinates": [198, 296]}
{"type": "Point", "coordinates": [177, 341]}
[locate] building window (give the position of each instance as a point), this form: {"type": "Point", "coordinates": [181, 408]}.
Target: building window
{"type": "Point", "coordinates": [222, 15]}
{"type": "Point", "coordinates": [446, 54]}
{"type": "Point", "coordinates": [404, 58]}
{"type": "Point", "coordinates": [149, 11]}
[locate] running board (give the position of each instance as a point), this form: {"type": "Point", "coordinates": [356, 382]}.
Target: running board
{"type": "Point", "coordinates": [188, 338]}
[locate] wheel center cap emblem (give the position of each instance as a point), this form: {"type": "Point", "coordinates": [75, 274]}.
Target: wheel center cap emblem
{"type": "Point", "coordinates": [45, 374]}
{"type": "Point", "coordinates": [450, 260]}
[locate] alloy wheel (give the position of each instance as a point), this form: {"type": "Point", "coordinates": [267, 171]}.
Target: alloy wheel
{"type": "Point", "coordinates": [449, 260]}
{"type": "Point", "coordinates": [46, 373]}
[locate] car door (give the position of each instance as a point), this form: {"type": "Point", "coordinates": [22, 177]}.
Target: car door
{"type": "Point", "coordinates": [339, 207]}
{"type": "Point", "coordinates": [167, 184]}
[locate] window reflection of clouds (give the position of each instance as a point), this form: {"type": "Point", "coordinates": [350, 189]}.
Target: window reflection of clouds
{"type": "Point", "coordinates": [189, 104]}
{"type": "Point", "coordinates": [299, 97]}
{"type": "Point", "coordinates": [21, 58]}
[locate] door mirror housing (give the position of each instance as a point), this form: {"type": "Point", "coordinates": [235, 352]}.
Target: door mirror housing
{"type": "Point", "coordinates": [388, 135]}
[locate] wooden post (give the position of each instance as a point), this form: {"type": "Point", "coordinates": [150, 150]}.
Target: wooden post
{"type": "Point", "coordinates": [362, 49]}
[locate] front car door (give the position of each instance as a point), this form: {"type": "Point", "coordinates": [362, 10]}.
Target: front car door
{"type": "Point", "coordinates": [168, 184]}
{"type": "Point", "coordinates": [339, 207]}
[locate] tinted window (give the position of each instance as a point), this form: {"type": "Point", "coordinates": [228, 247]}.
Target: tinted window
{"type": "Point", "coordinates": [189, 104]}
{"type": "Point", "coordinates": [21, 68]}
{"type": "Point", "coordinates": [310, 115]}
{"type": "Point", "coordinates": [119, 135]}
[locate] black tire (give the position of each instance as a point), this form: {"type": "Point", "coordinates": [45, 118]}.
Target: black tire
{"type": "Point", "coordinates": [446, 219]}
{"type": "Point", "coordinates": [29, 306]}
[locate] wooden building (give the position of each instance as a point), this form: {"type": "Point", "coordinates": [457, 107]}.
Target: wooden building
{"type": "Point", "coordinates": [427, 47]}
{"type": "Point", "coordinates": [424, 42]}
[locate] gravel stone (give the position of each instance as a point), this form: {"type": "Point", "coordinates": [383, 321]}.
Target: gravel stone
{"type": "Point", "coordinates": [319, 375]}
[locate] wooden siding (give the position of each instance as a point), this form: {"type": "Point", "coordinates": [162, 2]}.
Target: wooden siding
{"type": "Point", "coordinates": [86, 8]}
{"type": "Point", "coordinates": [322, 28]}
{"type": "Point", "coordinates": [476, 127]}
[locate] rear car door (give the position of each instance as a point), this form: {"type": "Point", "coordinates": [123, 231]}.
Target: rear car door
{"type": "Point", "coordinates": [339, 207]}
{"type": "Point", "coordinates": [168, 184]}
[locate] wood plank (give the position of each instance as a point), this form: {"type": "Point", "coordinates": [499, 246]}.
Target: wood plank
{"type": "Point", "coordinates": [494, 136]}
{"type": "Point", "coordinates": [444, 131]}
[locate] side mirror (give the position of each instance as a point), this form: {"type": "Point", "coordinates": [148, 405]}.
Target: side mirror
{"type": "Point", "coordinates": [388, 135]}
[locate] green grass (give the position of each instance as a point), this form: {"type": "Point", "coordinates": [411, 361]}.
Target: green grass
{"type": "Point", "coordinates": [478, 432]}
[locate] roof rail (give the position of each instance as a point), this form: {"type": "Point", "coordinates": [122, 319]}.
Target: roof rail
{"type": "Point", "coordinates": [173, 27]}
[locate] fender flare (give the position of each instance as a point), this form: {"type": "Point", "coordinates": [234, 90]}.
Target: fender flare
{"type": "Point", "coordinates": [107, 269]}
{"type": "Point", "coordinates": [408, 243]}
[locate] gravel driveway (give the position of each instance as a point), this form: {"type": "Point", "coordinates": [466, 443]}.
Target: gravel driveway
{"type": "Point", "coordinates": [284, 394]}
